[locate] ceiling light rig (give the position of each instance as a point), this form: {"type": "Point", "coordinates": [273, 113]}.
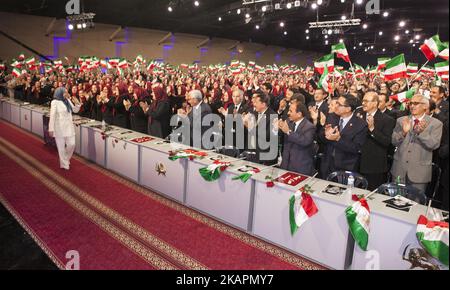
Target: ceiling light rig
{"type": "Point", "coordinates": [81, 21]}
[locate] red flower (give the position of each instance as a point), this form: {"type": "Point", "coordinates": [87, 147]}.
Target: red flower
{"type": "Point", "coordinates": [355, 197]}
{"type": "Point", "coordinates": [270, 184]}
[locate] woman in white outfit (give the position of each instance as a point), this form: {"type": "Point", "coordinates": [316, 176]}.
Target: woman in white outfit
{"type": "Point", "coordinates": [61, 125]}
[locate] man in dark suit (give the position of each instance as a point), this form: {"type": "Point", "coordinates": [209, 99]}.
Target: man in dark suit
{"type": "Point", "coordinates": [320, 103]}
{"type": "Point", "coordinates": [383, 99]}
{"type": "Point", "coordinates": [344, 137]}
{"type": "Point", "coordinates": [374, 152]}
{"type": "Point", "coordinates": [262, 136]}
{"type": "Point", "coordinates": [437, 95]}
{"type": "Point", "coordinates": [299, 134]}
{"type": "Point", "coordinates": [234, 111]}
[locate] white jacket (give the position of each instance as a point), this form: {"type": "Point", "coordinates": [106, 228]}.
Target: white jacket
{"type": "Point", "coordinates": [61, 122]}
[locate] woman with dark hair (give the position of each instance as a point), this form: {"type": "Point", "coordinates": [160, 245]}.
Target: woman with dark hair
{"type": "Point", "coordinates": [120, 114]}
{"type": "Point", "coordinates": [158, 113]}
{"type": "Point", "coordinates": [138, 119]}
{"type": "Point", "coordinates": [61, 125]}
{"type": "Point", "coordinates": [108, 102]}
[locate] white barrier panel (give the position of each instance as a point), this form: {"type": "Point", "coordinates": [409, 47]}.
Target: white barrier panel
{"type": "Point", "coordinates": [122, 155]}
{"type": "Point", "coordinates": [25, 118]}
{"type": "Point", "coordinates": [160, 174]}
{"type": "Point", "coordinates": [225, 199]}
{"type": "Point", "coordinates": [15, 114]}
{"type": "Point", "coordinates": [393, 244]}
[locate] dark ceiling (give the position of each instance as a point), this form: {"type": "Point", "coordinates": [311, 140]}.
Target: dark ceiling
{"type": "Point", "coordinates": [425, 17]}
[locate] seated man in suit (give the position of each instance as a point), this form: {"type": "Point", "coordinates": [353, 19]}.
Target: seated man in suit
{"type": "Point", "coordinates": [416, 137]}
{"type": "Point", "coordinates": [299, 134]}
{"type": "Point", "coordinates": [344, 136]}
{"type": "Point", "coordinates": [374, 153]}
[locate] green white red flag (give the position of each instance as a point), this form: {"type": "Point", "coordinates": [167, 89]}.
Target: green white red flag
{"type": "Point", "coordinates": [382, 62]}
{"type": "Point", "coordinates": [341, 51]}
{"type": "Point", "coordinates": [324, 82]}
{"type": "Point", "coordinates": [433, 237]}
{"type": "Point", "coordinates": [325, 62]}
{"type": "Point", "coordinates": [301, 208]}
{"type": "Point", "coordinates": [444, 54]}
{"type": "Point", "coordinates": [441, 68]}
{"type": "Point", "coordinates": [395, 68]}
{"type": "Point", "coordinates": [213, 171]}
{"type": "Point", "coordinates": [412, 69]}
{"type": "Point", "coordinates": [404, 96]}
{"type": "Point", "coordinates": [358, 219]}
{"type": "Point", "coordinates": [432, 47]}
{"type": "Point", "coordinates": [244, 177]}
{"type": "Point", "coordinates": [16, 72]}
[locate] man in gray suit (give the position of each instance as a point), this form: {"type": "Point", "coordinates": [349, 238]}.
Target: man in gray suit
{"type": "Point", "coordinates": [199, 110]}
{"type": "Point", "coordinates": [299, 134]}
{"type": "Point", "coordinates": [416, 137]}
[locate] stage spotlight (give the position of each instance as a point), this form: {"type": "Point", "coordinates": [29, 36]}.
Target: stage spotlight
{"type": "Point", "coordinates": [247, 15]}
{"type": "Point", "coordinates": [380, 33]}
{"type": "Point", "coordinates": [84, 25]}
{"type": "Point", "coordinates": [314, 6]}
{"type": "Point", "coordinates": [281, 24]}
{"type": "Point", "coordinates": [385, 14]}
{"type": "Point", "coordinates": [365, 26]}
{"type": "Point", "coordinates": [359, 2]}
{"type": "Point", "coordinates": [402, 24]}
{"type": "Point", "coordinates": [220, 19]}
{"type": "Point", "coordinates": [257, 27]}
{"type": "Point", "coordinates": [79, 26]}
{"type": "Point", "coordinates": [319, 2]}
{"type": "Point", "coordinates": [289, 5]}
{"type": "Point", "coordinates": [70, 26]}
{"type": "Point", "coordinates": [238, 11]}
{"type": "Point", "coordinates": [264, 9]}
{"type": "Point", "coordinates": [397, 38]}
{"type": "Point", "coordinates": [307, 31]}
{"type": "Point", "coordinates": [197, 3]}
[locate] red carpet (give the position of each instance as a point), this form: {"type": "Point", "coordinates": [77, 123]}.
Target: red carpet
{"type": "Point", "coordinates": [116, 224]}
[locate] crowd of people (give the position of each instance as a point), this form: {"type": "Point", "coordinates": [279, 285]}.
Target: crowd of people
{"type": "Point", "coordinates": [356, 126]}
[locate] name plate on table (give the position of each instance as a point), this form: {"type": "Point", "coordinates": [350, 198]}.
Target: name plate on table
{"type": "Point", "coordinates": [291, 179]}
{"type": "Point", "coordinates": [142, 140]}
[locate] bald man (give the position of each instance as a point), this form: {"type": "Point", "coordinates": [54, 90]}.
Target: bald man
{"type": "Point", "coordinates": [374, 152]}
{"type": "Point", "coordinates": [416, 137]}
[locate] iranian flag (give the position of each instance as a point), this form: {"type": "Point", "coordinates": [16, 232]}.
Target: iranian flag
{"type": "Point", "coordinates": [444, 54]}
{"type": "Point", "coordinates": [341, 51]}
{"type": "Point", "coordinates": [104, 63]}
{"type": "Point", "coordinates": [213, 171]}
{"type": "Point", "coordinates": [21, 57]}
{"type": "Point", "coordinates": [428, 70]}
{"type": "Point", "coordinates": [382, 62]}
{"type": "Point", "coordinates": [324, 81]}
{"type": "Point", "coordinates": [433, 236]}
{"type": "Point", "coordinates": [234, 63]}
{"type": "Point", "coordinates": [442, 68]}
{"type": "Point", "coordinates": [301, 209]}
{"type": "Point", "coordinates": [412, 68]}
{"type": "Point", "coordinates": [251, 64]}
{"type": "Point", "coordinates": [16, 72]}
{"type": "Point", "coordinates": [139, 59]}
{"type": "Point", "coordinates": [31, 61]}
{"type": "Point", "coordinates": [432, 47]}
{"type": "Point", "coordinates": [123, 63]}
{"type": "Point", "coordinates": [247, 175]}
{"type": "Point", "coordinates": [395, 68]}
{"type": "Point", "coordinates": [16, 64]}
{"type": "Point", "coordinates": [325, 62]}
{"type": "Point", "coordinates": [358, 218]}
{"type": "Point", "coordinates": [114, 62]}
{"type": "Point", "coordinates": [2, 66]}
{"type": "Point", "coordinates": [184, 65]}
{"type": "Point", "coordinates": [186, 154]}
{"type": "Point", "coordinates": [235, 70]}
{"type": "Point", "coordinates": [403, 97]}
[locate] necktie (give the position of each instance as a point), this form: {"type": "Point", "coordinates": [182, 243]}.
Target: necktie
{"type": "Point", "coordinates": [341, 125]}
{"type": "Point", "coordinates": [416, 123]}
